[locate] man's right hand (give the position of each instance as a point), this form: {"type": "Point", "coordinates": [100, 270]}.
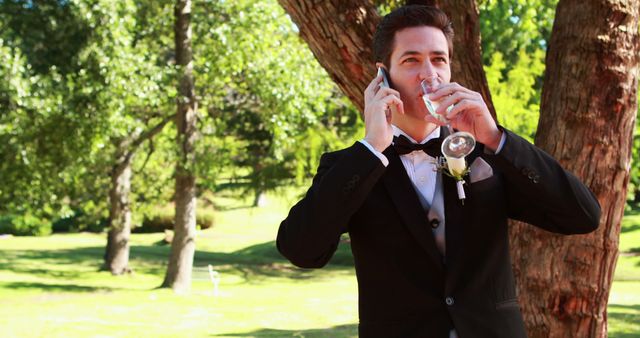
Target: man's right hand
{"type": "Point", "coordinates": [377, 113]}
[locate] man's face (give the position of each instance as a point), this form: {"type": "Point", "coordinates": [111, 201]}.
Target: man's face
{"type": "Point", "coordinates": [419, 53]}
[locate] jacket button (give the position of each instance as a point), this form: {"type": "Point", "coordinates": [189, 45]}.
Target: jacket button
{"type": "Point", "coordinates": [449, 301]}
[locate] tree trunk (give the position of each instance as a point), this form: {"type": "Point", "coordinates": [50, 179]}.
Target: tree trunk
{"type": "Point", "coordinates": [116, 257]}
{"type": "Point", "coordinates": [340, 35]}
{"type": "Point", "coordinates": [178, 276]}
{"type": "Point", "coordinates": [587, 117]}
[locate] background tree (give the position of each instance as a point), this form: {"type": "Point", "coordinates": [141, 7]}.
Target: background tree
{"type": "Point", "coordinates": [85, 114]}
{"type": "Point", "coordinates": [269, 106]}
{"type": "Point", "coordinates": [178, 276]}
{"type": "Point", "coordinates": [40, 133]}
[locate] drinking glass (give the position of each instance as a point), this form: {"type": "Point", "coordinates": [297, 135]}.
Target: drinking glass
{"type": "Point", "coordinates": [457, 145]}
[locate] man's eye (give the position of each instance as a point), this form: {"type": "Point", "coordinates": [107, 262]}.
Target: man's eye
{"type": "Point", "coordinates": [440, 60]}
{"type": "Point", "coordinates": [410, 60]}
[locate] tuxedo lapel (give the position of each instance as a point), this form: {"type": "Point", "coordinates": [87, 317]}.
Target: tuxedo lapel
{"type": "Point", "coordinates": [405, 199]}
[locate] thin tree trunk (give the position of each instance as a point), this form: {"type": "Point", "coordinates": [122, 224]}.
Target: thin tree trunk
{"type": "Point", "coordinates": [178, 276]}
{"type": "Point", "coordinates": [116, 258]}
{"type": "Point", "coordinates": [587, 119]}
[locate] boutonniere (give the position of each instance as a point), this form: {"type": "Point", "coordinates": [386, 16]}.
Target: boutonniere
{"type": "Point", "coordinates": [455, 168]}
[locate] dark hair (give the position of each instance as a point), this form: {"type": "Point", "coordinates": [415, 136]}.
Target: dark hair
{"type": "Point", "coordinates": [405, 17]}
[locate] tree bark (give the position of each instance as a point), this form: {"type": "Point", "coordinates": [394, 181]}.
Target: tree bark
{"type": "Point", "coordinates": [587, 118]}
{"type": "Point", "coordinates": [178, 276]}
{"type": "Point", "coordinates": [116, 258]}
{"type": "Point", "coordinates": [340, 35]}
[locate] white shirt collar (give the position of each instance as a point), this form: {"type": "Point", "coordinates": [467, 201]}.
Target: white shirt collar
{"type": "Point", "coordinates": [434, 134]}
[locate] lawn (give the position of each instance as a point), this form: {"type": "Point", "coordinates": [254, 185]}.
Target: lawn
{"type": "Point", "coordinates": [51, 286]}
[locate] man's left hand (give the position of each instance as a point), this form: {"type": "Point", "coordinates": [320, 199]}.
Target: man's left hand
{"type": "Point", "coordinates": [469, 113]}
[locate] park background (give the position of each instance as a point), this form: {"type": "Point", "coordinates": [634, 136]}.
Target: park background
{"type": "Point", "coordinates": [88, 93]}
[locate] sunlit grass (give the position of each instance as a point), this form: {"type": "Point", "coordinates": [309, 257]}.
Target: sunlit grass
{"type": "Point", "coordinates": [624, 298]}
{"type": "Point", "coordinates": [51, 286]}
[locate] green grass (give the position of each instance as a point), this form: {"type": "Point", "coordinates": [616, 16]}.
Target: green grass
{"type": "Point", "coordinates": [630, 232]}
{"type": "Point", "coordinates": [624, 299]}
{"type": "Point", "coordinates": [51, 286]}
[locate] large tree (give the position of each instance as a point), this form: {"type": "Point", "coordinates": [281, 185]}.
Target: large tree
{"type": "Point", "coordinates": [580, 126]}
{"type": "Point", "coordinates": [183, 245]}
{"type": "Point", "coordinates": [587, 118]}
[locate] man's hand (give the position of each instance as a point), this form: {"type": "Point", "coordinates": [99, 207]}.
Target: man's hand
{"type": "Point", "coordinates": [469, 113]}
{"type": "Point", "coordinates": [377, 113]}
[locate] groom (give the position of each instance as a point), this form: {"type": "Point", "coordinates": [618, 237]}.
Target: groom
{"type": "Point", "coordinates": [427, 264]}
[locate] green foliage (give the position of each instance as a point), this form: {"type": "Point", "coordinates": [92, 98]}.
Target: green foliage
{"type": "Point", "coordinates": [262, 91]}
{"type": "Point", "coordinates": [514, 27]}
{"type": "Point", "coordinates": [49, 32]}
{"type": "Point", "coordinates": [24, 225]}
{"type": "Point", "coordinates": [514, 95]}
{"type": "Point", "coordinates": [514, 42]}
{"type": "Point", "coordinates": [64, 115]}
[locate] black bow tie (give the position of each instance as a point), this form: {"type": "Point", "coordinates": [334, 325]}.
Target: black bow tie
{"type": "Point", "coordinates": [404, 146]}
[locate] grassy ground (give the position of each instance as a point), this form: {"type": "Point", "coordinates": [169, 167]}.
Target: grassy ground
{"type": "Point", "coordinates": [51, 287]}
{"type": "Point", "coordinates": [624, 300]}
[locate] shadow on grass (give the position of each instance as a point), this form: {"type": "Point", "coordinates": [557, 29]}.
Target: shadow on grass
{"type": "Point", "coordinates": [52, 287]}
{"type": "Point", "coordinates": [263, 260]}
{"type": "Point", "coordinates": [630, 228]}
{"type": "Point", "coordinates": [253, 263]}
{"type": "Point", "coordinates": [625, 321]}
{"type": "Point", "coordinates": [350, 330]}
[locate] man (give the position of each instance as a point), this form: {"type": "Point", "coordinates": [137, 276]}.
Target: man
{"type": "Point", "coordinates": [427, 264]}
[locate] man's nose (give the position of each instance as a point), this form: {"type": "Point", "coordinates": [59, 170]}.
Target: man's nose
{"type": "Point", "coordinates": [428, 73]}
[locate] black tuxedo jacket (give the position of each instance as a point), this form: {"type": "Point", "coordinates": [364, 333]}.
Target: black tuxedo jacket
{"type": "Point", "coordinates": [405, 287]}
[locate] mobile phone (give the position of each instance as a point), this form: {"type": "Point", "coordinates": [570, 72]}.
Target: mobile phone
{"type": "Point", "coordinates": [385, 79]}
{"type": "Point", "coordinates": [385, 83]}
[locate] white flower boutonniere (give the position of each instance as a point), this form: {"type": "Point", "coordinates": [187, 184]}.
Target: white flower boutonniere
{"type": "Point", "coordinates": [456, 168]}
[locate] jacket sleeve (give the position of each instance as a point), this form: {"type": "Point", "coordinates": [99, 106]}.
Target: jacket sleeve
{"type": "Point", "coordinates": [309, 236]}
{"type": "Point", "coordinates": [540, 192]}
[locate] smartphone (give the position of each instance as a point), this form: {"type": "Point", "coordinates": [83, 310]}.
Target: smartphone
{"type": "Point", "coordinates": [385, 83]}
{"type": "Point", "coordinates": [385, 79]}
